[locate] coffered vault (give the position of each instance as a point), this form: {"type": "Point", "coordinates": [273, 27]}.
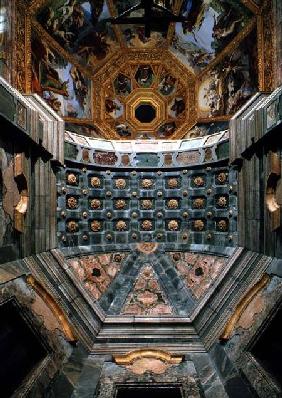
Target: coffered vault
{"type": "Point", "coordinates": [202, 71]}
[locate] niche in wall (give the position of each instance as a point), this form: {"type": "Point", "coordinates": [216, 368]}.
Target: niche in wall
{"type": "Point", "coordinates": [20, 349]}
{"type": "Point", "coordinates": [267, 349]}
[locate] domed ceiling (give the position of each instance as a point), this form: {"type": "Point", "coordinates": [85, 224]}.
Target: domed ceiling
{"type": "Point", "coordinates": [187, 78]}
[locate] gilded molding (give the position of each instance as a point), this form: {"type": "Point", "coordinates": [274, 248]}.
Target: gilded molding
{"type": "Point", "coordinates": [229, 48]}
{"type": "Point", "coordinates": [22, 49]}
{"type": "Point", "coordinates": [267, 52]}
{"type": "Point", "coordinates": [252, 6]}
{"type": "Point", "coordinates": [131, 357]}
{"type": "Point", "coordinates": [243, 304]}
{"type": "Point", "coordinates": [54, 307]}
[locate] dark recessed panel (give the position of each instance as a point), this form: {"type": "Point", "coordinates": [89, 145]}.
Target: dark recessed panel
{"type": "Point", "coordinates": [149, 392]}
{"type": "Point", "coordinates": [20, 349]}
{"type": "Point", "coordinates": [268, 348]}
{"type": "Point", "coordinates": [145, 113]}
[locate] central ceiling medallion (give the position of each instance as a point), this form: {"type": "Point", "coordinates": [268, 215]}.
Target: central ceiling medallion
{"type": "Point", "coordinates": [145, 110]}
{"type": "Point", "coordinates": [145, 99]}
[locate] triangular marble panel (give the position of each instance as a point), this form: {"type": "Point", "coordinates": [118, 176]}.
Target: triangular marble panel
{"type": "Point", "coordinates": [147, 297]}
{"type": "Point", "coordinates": [199, 271]}
{"type": "Point", "coordinates": [96, 272]}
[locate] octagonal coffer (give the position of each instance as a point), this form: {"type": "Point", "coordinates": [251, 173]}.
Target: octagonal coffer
{"type": "Point", "coordinates": [145, 112]}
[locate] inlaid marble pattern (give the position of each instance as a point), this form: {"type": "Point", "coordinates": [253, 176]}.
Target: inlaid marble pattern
{"type": "Point", "coordinates": [147, 297]}
{"type": "Point", "coordinates": [97, 272]}
{"type": "Point", "coordinates": [199, 271]}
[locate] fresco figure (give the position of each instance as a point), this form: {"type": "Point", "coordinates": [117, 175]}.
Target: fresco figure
{"type": "Point", "coordinates": [81, 26]}
{"type": "Point", "coordinates": [6, 53]}
{"type": "Point", "coordinates": [122, 85]}
{"type": "Point", "coordinates": [61, 84]}
{"type": "Point", "coordinates": [144, 76]}
{"type": "Point", "coordinates": [166, 130]}
{"type": "Point", "coordinates": [123, 130]}
{"type": "Point", "coordinates": [211, 25]}
{"type": "Point", "coordinates": [178, 106]}
{"type": "Point", "coordinates": [114, 107]}
{"type": "Point", "coordinates": [167, 84]}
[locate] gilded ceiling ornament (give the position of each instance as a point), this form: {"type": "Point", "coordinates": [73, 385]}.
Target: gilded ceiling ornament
{"type": "Point", "coordinates": [199, 225]}
{"type": "Point", "coordinates": [117, 257]}
{"type": "Point", "coordinates": [199, 181]}
{"type": "Point", "coordinates": [95, 182]}
{"type": "Point", "coordinates": [147, 225]}
{"type": "Point", "coordinates": [96, 225]}
{"type": "Point", "coordinates": [147, 247]}
{"type": "Point", "coordinates": [121, 225]}
{"type": "Point", "coordinates": [172, 204]}
{"type": "Point", "coordinates": [176, 256]}
{"type": "Point", "coordinates": [221, 178]}
{"type": "Point", "coordinates": [173, 225]}
{"type": "Point", "coordinates": [72, 179]}
{"type": "Point", "coordinates": [72, 226]}
{"type": "Point", "coordinates": [147, 204]}
{"type": "Point", "coordinates": [120, 204]}
{"type": "Point", "coordinates": [147, 183]}
{"type": "Point", "coordinates": [95, 204]}
{"type": "Point", "coordinates": [172, 183]}
{"type": "Point", "coordinates": [199, 203]}
{"type": "Point", "coordinates": [120, 183]}
{"type": "Point", "coordinates": [222, 225]}
{"type": "Point", "coordinates": [222, 201]}
{"type": "Point", "coordinates": [72, 202]}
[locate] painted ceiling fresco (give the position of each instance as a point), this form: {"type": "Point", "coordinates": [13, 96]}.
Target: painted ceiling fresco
{"type": "Point", "coordinates": [80, 27]}
{"type": "Point", "coordinates": [152, 86]}
{"type": "Point", "coordinates": [212, 26]}
{"type": "Point", "coordinates": [187, 74]}
{"type": "Point", "coordinates": [6, 16]}
{"type": "Point", "coordinates": [60, 83]}
{"type": "Point", "coordinates": [134, 35]}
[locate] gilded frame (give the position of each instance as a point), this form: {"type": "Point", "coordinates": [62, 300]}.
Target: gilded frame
{"type": "Point", "coordinates": [262, 21]}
